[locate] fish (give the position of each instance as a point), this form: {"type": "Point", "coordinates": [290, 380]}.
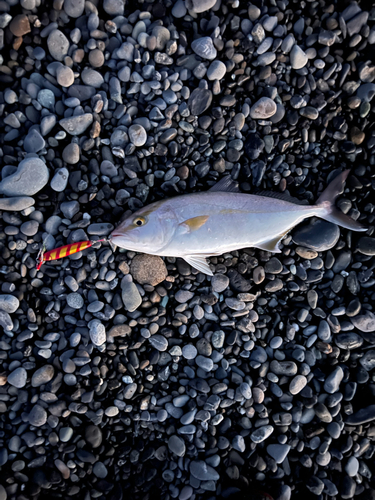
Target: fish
{"type": "Point", "coordinates": [197, 226]}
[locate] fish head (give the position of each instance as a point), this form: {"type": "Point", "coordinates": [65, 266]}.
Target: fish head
{"type": "Point", "coordinates": [148, 230]}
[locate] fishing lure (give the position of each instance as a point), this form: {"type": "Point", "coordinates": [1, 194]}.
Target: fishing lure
{"type": "Point", "coordinates": [61, 252]}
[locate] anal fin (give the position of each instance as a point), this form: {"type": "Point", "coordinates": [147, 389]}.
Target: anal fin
{"type": "Point", "coordinates": [199, 262]}
{"type": "Point", "coordinates": [272, 245]}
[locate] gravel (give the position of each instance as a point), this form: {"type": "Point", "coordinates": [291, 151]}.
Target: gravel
{"type": "Point", "coordinates": [124, 372]}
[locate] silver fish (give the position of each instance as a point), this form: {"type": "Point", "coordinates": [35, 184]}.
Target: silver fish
{"type": "Point", "coordinates": [200, 225]}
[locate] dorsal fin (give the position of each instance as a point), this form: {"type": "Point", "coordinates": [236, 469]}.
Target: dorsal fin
{"type": "Point", "coordinates": [281, 196]}
{"type": "Point", "coordinates": [226, 184]}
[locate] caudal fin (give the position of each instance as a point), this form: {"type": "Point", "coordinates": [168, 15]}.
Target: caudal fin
{"type": "Point", "coordinates": [333, 214]}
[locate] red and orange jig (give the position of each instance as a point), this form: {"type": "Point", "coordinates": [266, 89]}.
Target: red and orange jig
{"type": "Point", "coordinates": [64, 251]}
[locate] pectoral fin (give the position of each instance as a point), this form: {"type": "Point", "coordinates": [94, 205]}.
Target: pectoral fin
{"type": "Point", "coordinates": [195, 222]}
{"type": "Point", "coordinates": [199, 262]}
{"type": "Point", "coordinates": [272, 245]}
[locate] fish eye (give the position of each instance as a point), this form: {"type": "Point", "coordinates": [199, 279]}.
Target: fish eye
{"type": "Point", "coordinates": [139, 221]}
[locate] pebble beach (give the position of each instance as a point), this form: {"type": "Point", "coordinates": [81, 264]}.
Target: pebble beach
{"type": "Point", "coordinates": [129, 376]}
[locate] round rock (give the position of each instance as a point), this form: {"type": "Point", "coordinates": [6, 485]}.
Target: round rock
{"type": "Point", "coordinates": [159, 342]}
{"type": "Point", "coordinates": [17, 378]}
{"type": "Point", "coordinates": [204, 48]}
{"type": "Point", "coordinates": [71, 153]}
{"type": "Point", "coordinates": [64, 76]}
{"type": "Point", "coordinates": [216, 70]}
{"type": "Point", "coordinates": [137, 135]}
{"type": "Point", "coordinates": [177, 445]}
{"type": "Point", "coordinates": [37, 416]}
{"type": "Point", "coordinates": [298, 58]}
{"type": "Point", "coordinates": [42, 376]}
{"type": "Point", "coordinates": [75, 300]}
{"type": "Point", "coordinates": [31, 176]}
{"type": "Point", "coordinates": [93, 436]}
{"type": "Point", "coordinates": [189, 351]}
{"type": "Point", "coordinates": [264, 108]}
{"type": "Point", "coordinates": [9, 303]}
{"type": "Point", "coordinates": [148, 269]}
{"type": "Point", "coordinates": [202, 471]}
{"type": "Point", "coordinates": [74, 8]}
{"type": "Point", "coordinates": [97, 332]}
{"type": "Point", "coordinates": [319, 235]}
{"type": "Point", "coordinates": [58, 45]}
{"type": "Point", "coordinates": [60, 180]}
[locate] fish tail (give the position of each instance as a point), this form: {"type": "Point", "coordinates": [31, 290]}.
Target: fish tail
{"type": "Point", "coordinates": [330, 213]}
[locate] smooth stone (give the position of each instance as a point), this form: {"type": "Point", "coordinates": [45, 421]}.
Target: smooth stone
{"type": "Point", "coordinates": [261, 434]}
{"type": "Point", "coordinates": [114, 7]}
{"type": "Point", "coordinates": [58, 45]}
{"type": "Point", "coordinates": [219, 283]}
{"type": "Point", "coordinates": [9, 303]}
{"type": "Point", "coordinates": [159, 342]}
{"type": "Point", "coordinates": [74, 8]}
{"type": "Point", "coordinates": [17, 378]}
{"type": "Point", "coordinates": [253, 146]}
{"type": "Point", "coordinates": [278, 452]}
{"type": "Point", "coordinates": [30, 228]}
{"type": "Point", "coordinates": [288, 368]}
{"type": "Point", "coordinates": [129, 391]}
{"type": "Point", "coordinates": [47, 124]}
{"type": "Point", "coordinates": [60, 180]}
{"type": "Point", "coordinates": [204, 48]}
{"type": "Point", "coordinates": [71, 154]}
{"type": "Point", "coordinates": [93, 436]}
{"type": "Point", "coordinates": [137, 135]}
{"type": "Point", "coordinates": [263, 109]}
{"type": "Point", "coordinates": [366, 245]}
{"type": "Point", "coordinates": [148, 269]}
{"type": "Point", "coordinates": [199, 101]}
{"type": "Point", "coordinates": [37, 416]}
{"type": "Point", "coordinates": [297, 384]}
{"type": "Point", "coordinates": [364, 322]}
{"type": "Point", "coordinates": [352, 466]}
{"type": "Point", "coordinates": [69, 208]}
{"type": "Point", "coordinates": [366, 92]}
{"type": "Point", "coordinates": [97, 332]}
{"type": "Point", "coordinates": [348, 340]}
{"type": "Point", "coordinates": [65, 433]}
{"type": "Point", "coordinates": [238, 443]}
{"type": "Point", "coordinates": [31, 176]}
{"type": "Point", "coordinates": [189, 351]}
{"type": "Point", "coordinates": [298, 58]}
{"type": "Point", "coordinates": [179, 9]}
{"type": "Point", "coordinates": [92, 77]}
{"type": "Point", "coordinates": [131, 296]}
{"type": "Point", "coordinates": [4, 494]}
{"type": "Point", "coordinates": [177, 445]}
{"type": "Point", "coordinates": [318, 235]}
{"type": "Point", "coordinates": [6, 321]}
{"type": "Point", "coordinates": [16, 203]}
{"type": "Point", "coordinates": [199, 6]}
{"type": "Point", "coordinates": [33, 142]}
{"type": "Point", "coordinates": [362, 416]}
{"type": "Point", "coordinates": [216, 70]}
{"type": "Point", "coordinates": [75, 300]}
{"type": "Point", "coordinates": [76, 125]}
{"type": "Point", "coordinates": [368, 360]}
{"type": "Point", "coordinates": [100, 470]}
{"type": "Point", "coordinates": [64, 76]}
{"type": "Point", "coordinates": [200, 470]}
{"type": "Point", "coordinates": [333, 381]}
{"type": "Point", "coordinates": [42, 376]}
{"type": "Point", "coordinates": [46, 98]}
{"type": "Point", "coordinates": [20, 25]}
